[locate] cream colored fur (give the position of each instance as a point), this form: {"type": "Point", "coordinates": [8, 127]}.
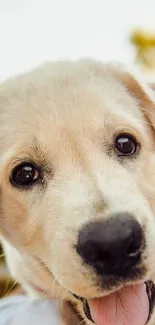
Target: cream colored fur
{"type": "Point", "coordinates": [65, 115]}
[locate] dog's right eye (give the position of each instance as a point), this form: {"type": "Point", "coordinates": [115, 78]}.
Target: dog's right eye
{"type": "Point", "coordinates": [126, 145]}
{"type": "Point", "coordinates": [25, 175]}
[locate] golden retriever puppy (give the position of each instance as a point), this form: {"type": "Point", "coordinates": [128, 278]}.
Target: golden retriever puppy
{"type": "Point", "coordinates": [77, 189]}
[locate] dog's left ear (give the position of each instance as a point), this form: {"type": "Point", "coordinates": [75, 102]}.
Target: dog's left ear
{"type": "Point", "coordinates": [140, 89]}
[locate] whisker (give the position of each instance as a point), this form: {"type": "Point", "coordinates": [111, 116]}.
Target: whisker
{"type": "Point", "coordinates": [42, 293]}
{"type": "Point", "coordinates": [10, 289]}
{"type": "Point", "coordinates": [75, 315]}
{"type": "Point", "coordinates": [147, 111]}
{"type": "Point", "coordinates": [7, 286]}
{"type": "Point", "coordinates": [82, 321]}
{"type": "Point", "coordinates": [30, 269]}
{"type": "Point", "coordinates": [63, 298]}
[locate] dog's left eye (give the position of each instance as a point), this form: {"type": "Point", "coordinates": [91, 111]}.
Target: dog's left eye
{"type": "Point", "coordinates": [25, 175]}
{"type": "Point", "coordinates": [126, 145]}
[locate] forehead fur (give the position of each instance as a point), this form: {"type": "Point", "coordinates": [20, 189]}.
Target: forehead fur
{"type": "Point", "coordinates": [62, 86]}
{"type": "Point", "coordinates": [61, 95]}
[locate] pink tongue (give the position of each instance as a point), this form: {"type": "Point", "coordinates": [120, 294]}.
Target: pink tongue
{"type": "Point", "coordinates": [129, 306]}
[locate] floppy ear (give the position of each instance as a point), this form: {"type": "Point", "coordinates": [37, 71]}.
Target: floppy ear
{"type": "Point", "coordinates": [140, 89]}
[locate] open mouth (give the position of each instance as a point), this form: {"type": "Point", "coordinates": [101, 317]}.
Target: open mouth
{"type": "Point", "coordinates": [130, 305]}
{"type": "Point", "coordinates": [150, 290]}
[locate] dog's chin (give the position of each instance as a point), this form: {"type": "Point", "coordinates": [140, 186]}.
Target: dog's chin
{"type": "Point", "coordinates": [88, 311]}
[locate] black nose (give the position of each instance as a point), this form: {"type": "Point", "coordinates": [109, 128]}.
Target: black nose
{"type": "Point", "coordinates": [112, 247]}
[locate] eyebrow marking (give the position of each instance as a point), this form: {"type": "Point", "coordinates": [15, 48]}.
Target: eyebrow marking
{"type": "Point", "coordinates": [35, 155]}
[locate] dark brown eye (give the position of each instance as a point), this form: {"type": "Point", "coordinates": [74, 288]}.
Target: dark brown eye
{"type": "Point", "coordinates": [126, 145]}
{"type": "Point", "coordinates": [25, 175]}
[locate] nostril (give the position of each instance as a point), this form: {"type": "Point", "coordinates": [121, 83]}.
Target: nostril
{"type": "Point", "coordinates": [94, 252]}
{"type": "Point", "coordinates": [106, 256]}
{"type": "Point", "coordinates": [102, 256]}
{"type": "Point", "coordinates": [132, 248]}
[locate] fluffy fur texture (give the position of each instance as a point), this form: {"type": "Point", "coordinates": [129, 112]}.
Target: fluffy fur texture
{"type": "Point", "coordinates": [64, 117]}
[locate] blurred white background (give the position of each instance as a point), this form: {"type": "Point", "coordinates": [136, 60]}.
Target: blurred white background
{"type": "Point", "coordinates": [32, 31]}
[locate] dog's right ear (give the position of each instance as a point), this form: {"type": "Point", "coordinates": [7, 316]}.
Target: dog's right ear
{"type": "Point", "coordinates": [139, 88]}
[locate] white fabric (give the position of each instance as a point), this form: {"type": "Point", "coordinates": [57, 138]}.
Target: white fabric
{"type": "Point", "coordinates": [20, 310]}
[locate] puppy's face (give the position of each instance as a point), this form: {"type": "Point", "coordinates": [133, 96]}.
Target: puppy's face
{"type": "Point", "coordinates": [77, 177]}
